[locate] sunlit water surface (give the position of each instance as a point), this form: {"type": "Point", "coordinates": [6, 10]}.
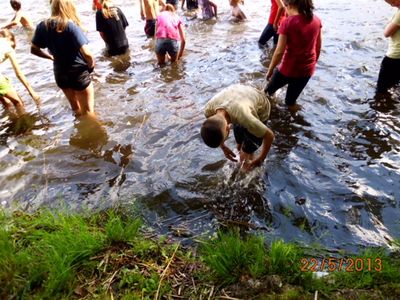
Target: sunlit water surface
{"type": "Point", "coordinates": [332, 175]}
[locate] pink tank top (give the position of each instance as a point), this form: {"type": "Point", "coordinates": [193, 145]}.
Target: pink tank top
{"type": "Point", "coordinates": [168, 26]}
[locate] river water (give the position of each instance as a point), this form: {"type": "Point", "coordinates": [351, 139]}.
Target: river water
{"type": "Point", "coordinates": [332, 175]}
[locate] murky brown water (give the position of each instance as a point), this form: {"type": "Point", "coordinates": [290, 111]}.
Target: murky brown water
{"type": "Point", "coordinates": [332, 175]}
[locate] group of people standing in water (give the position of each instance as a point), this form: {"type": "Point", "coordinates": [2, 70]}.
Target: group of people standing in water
{"type": "Point", "coordinates": [296, 33]}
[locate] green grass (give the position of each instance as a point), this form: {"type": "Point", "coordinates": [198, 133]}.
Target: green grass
{"type": "Point", "coordinates": [56, 255]}
{"type": "Point", "coordinates": [230, 257]}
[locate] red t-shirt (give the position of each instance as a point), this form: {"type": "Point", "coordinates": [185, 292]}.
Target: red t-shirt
{"type": "Point", "coordinates": [274, 12]}
{"type": "Point", "coordinates": [300, 56]}
{"type": "Point", "coordinates": [97, 4]}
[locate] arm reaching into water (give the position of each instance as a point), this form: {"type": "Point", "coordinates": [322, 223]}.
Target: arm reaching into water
{"type": "Point", "coordinates": [22, 77]}
{"type": "Point", "coordinates": [266, 146]}
{"type": "Point", "coordinates": [183, 41]}
{"type": "Point", "coordinates": [228, 153]}
{"type": "Point", "coordinates": [278, 54]}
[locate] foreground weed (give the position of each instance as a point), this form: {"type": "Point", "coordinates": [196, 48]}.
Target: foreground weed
{"type": "Point", "coordinates": [229, 257]}
{"type": "Point", "coordinates": [119, 231]}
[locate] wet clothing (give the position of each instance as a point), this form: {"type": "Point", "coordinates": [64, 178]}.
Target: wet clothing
{"type": "Point", "coordinates": [295, 86]}
{"type": "Point", "coordinates": [113, 30]}
{"type": "Point", "coordinates": [150, 28]}
{"type": "Point", "coordinates": [300, 56]}
{"type": "Point", "coordinates": [168, 26]}
{"type": "Point", "coordinates": [65, 48]}
{"type": "Point", "coordinates": [389, 74]}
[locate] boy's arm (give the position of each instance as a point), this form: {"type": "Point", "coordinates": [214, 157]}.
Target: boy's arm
{"type": "Point", "coordinates": [391, 29]}
{"type": "Point", "coordinates": [276, 59]}
{"type": "Point", "coordinates": [228, 152]}
{"type": "Point", "coordinates": [266, 146]}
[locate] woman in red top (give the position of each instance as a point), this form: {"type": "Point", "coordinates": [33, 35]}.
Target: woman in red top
{"type": "Point", "coordinates": [297, 53]}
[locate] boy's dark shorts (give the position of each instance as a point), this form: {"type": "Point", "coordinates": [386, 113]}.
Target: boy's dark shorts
{"type": "Point", "coordinates": [75, 79]}
{"type": "Point", "coordinates": [250, 143]}
{"type": "Point", "coordinates": [150, 28]}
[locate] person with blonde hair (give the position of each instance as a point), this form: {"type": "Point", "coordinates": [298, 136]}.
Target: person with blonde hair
{"type": "Point", "coordinates": [8, 95]}
{"type": "Point", "coordinates": [111, 23]}
{"type": "Point", "coordinates": [73, 62]}
{"type": "Point", "coordinates": [169, 31]}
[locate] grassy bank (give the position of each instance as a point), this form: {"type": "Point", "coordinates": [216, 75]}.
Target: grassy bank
{"type": "Point", "coordinates": [108, 255]}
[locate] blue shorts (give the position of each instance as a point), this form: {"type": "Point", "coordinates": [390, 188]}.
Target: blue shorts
{"type": "Point", "coordinates": [169, 46]}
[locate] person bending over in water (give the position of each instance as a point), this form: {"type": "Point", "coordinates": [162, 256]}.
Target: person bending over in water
{"type": "Point", "coordinates": [297, 52]}
{"type": "Point", "coordinates": [19, 18]}
{"type": "Point", "coordinates": [169, 31]}
{"type": "Point", "coordinates": [8, 95]}
{"type": "Point", "coordinates": [73, 62]}
{"type": "Point", "coordinates": [111, 23]}
{"type": "Point", "coordinates": [149, 9]}
{"type": "Point", "coordinates": [248, 109]}
{"type": "Point", "coordinates": [389, 74]}
{"type": "Point", "coordinates": [237, 10]}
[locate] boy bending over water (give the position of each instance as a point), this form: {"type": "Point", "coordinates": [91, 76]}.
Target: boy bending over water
{"type": "Point", "coordinates": [247, 109]}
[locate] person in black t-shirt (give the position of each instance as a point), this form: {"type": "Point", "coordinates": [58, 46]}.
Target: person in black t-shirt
{"type": "Point", "coordinates": [111, 23]}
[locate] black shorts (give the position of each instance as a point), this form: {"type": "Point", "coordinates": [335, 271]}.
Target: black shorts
{"type": "Point", "coordinates": [76, 79]}
{"type": "Point", "coordinates": [249, 142]}
{"type": "Point", "coordinates": [150, 28]}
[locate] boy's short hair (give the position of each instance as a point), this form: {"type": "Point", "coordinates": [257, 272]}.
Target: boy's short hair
{"type": "Point", "coordinates": [212, 132]}
{"type": "Point", "coordinates": [15, 4]}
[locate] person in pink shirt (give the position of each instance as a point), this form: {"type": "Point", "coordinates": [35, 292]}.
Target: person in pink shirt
{"type": "Point", "coordinates": [297, 52]}
{"type": "Point", "coordinates": [169, 31]}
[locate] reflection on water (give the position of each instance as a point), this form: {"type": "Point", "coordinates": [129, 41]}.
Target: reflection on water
{"type": "Point", "coordinates": [332, 174]}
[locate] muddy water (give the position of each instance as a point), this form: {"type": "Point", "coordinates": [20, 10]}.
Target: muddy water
{"type": "Point", "coordinates": [332, 175]}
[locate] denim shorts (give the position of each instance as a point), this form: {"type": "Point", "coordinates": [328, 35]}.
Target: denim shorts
{"type": "Point", "coordinates": [169, 46]}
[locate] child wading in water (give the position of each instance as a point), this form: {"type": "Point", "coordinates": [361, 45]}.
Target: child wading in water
{"type": "Point", "coordinates": [389, 74]}
{"type": "Point", "coordinates": [19, 18]}
{"type": "Point", "coordinates": [8, 95]}
{"type": "Point", "coordinates": [297, 52]}
{"type": "Point", "coordinates": [169, 31]}
{"type": "Point", "coordinates": [275, 17]}
{"type": "Point", "coordinates": [237, 10]}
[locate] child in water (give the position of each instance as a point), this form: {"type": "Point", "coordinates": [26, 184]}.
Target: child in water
{"type": "Point", "coordinates": [389, 74]}
{"type": "Point", "coordinates": [208, 9]}
{"type": "Point", "coordinates": [275, 17]}
{"type": "Point", "coordinates": [19, 18]}
{"type": "Point", "coordinates": [9, 98]}
{"type": "Point", "coordinates": [297, 52]}
{"type": "Point", "coordinates": [237, 10]}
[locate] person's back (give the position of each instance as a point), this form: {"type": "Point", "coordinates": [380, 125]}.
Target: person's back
{"type": "Point", "coordinates": [111, 23]}
{"type": "Point", "coordinates": [300, 57]}
{"type": "Point", "coordinates": [167, 26]}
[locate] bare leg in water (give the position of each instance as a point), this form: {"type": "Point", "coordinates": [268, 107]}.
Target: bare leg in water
{"type": "Point", "coordinates": [12, 99]}
{"type": "Point", "coordinates": [82, 102]}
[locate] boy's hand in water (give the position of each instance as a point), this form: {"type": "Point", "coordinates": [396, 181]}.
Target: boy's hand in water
{"type": "Point", "coordinates": [228, 153]}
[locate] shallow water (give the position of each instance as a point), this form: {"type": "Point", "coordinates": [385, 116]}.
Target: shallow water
{"type": "Point", "coordinates": [332, 175]}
